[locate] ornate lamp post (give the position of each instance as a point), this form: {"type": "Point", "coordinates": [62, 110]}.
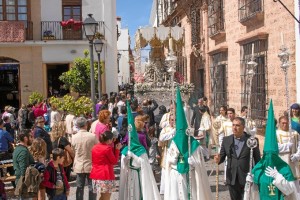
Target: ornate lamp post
{"type": "Point", "coordinates": [250, 75]}
{"type": "Point", "coordinates": [284, 57]}
{"type": "Point", "coordinates": [98, 48]}
{"type": "Point", "coordinates": [119, 58]}
{"type": "Point", "coordinates": [90, 27]}
{"type": "Point", "coordinates": [171, 61]}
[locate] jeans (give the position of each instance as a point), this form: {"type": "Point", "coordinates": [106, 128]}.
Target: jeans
{"type": "Point", "coordinates": [59, 197]}
{"type": "Point", "coordinates": [80, 182]}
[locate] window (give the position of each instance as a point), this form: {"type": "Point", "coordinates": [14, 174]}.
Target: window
{"type": "Point", "coordinates": [249, 8]}
{"type": "Point", "coordinates": [195, 25]}
{"type": "Point", "coordinates": [72, 12]}
{"type": "Point", "coordinates": [258, 96]}
{"type": "Point", "coordinates": [218, 73]}
{"type": "Point", "coordinates": [215, 17]}
{"type": "Point", "coordinates": [12, 10]}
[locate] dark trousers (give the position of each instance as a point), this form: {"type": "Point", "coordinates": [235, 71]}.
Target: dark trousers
{"type": "Point", "coordinates": [80, 182]}
{"type": "Point", "coordinates": [236, 191]}
{"type": "Point", "coordinates": [59, 197]}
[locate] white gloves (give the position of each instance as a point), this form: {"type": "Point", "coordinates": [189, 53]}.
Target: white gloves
{"type": "Point", "coordinates": [172, 160]}
{"type": "Point", "coordinates": [271, 172]}
{"type": "Point", "coordinates": [295, 157]}
{"type": "Point", "coordinates": [130, 154]}
{"type": "Point", "coordinates": [191, 161]}
{"type": "Point", "coordinates": [249, 178]}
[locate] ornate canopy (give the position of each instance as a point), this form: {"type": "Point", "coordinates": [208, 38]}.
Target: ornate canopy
{"type": "Point", "coordinates": [159, 36]}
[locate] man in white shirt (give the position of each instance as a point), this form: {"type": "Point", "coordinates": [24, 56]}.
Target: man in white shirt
{"type": "Point", "coordinates": [288, 145]}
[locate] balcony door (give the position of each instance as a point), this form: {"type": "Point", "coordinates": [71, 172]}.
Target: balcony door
{"type": "Point", "coordinates": [72, 32]}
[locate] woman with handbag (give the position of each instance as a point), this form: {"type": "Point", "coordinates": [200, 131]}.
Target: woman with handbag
{"type": "Point", "coordinates": [59, 140]}
{"type": "Point", "coordinates": [38, 150]}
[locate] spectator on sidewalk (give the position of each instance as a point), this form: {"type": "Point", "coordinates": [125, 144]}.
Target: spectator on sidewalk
{"type": "Point", "coordinates": [21, 155]}
{"type": "Point", "coordinates": [55, 180]}
{"type": "Point", "coordinates": [83, 142]}
{"type": "Point", "coordinates": [40, 132]}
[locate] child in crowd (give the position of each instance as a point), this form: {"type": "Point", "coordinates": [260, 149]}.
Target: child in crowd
{"type": "Point", "coordinates": [153, 150]}
{"type": "Point", "coordinates": [55, 180]}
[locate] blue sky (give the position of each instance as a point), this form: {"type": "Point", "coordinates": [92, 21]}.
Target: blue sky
{"type": "Point", "coordinates": [134, 13]}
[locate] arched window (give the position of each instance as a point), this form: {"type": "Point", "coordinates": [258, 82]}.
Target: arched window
{"type": "Point", "coordinates": [14, 10]}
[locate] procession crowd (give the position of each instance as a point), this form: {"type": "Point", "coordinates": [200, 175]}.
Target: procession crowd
{"type": "Point", "coordinates": [45, 145]}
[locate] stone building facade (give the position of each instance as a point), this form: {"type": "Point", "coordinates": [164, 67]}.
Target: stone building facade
{"type": "Point", "coordinates": [222, 36]}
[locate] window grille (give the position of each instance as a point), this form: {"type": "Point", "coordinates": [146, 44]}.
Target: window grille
{"type": "Point", "coordinates": [195, 25]}
{"type": "Point", "coordinates": [258, 96]}
{"type": "Point", "coordinates": [181, 65]}
{"type": "Point", "coordinates": [218, 72]}
{"type": "Point", "coordinates": [215, 17]}
{"type": "Point", "coordinates": [249, 8]}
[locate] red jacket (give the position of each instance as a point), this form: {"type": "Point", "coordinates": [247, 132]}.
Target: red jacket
{"type": "Point", "coordinates": [50, 178]}
{"type": "Point", "coordinates": [103, 160]}
{"type": "Point", "coordinates": [40, 110]}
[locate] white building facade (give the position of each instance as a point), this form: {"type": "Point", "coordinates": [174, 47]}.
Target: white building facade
{"type": "Point", "coordinates": [45, 49]}
{"type": "Point", "coordinates": [123, 51]}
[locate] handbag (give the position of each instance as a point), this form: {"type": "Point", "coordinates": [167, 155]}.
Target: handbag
{"type": "Point", "coordinates": [68, 159]}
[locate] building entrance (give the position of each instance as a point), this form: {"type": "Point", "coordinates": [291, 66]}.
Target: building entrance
{"type": "Point", "coordinates": [55, 86]}
{"type": "Point", "coordinates": [9, 83]}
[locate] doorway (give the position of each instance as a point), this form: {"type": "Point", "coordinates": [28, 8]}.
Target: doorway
{"type": "Point", "coordinates": [54, 85]}
{"type": "Point", "coordinates": [9, 83]}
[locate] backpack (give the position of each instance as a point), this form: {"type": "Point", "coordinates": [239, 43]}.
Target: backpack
{"type": "Point", "coordinates": [28, 185]}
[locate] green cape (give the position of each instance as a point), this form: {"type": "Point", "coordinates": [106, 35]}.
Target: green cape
{"type": "Point", "coordinates": [135, 145]}
{"type": "Point", "coordinates": [270, 158]}
{"type": "Point", "coordinates": [181, 138]}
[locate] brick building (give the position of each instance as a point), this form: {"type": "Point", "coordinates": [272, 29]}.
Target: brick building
{"type": "Point", "coordinates": [220, 39]}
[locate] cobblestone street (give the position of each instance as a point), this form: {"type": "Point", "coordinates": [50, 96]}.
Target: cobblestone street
{"type": "Point", "coordinates": [210, 166]}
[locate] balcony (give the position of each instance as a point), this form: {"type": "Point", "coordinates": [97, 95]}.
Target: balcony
{"type": "Point", "coordinates": [16, 31]}
{"type": "Point", "coordinates": [250, 11]}
{"type": "Point", "coordinates": [216, 30]}
{"type": "Point", "coordinates": [52, 30]}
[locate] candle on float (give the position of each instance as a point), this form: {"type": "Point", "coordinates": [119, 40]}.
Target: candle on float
{"type": "Point", "coordinates": [170, 44]}
{"type": "Point", "coordinates": [165, 78]}
{"type": "Point", "coordinates": [252, 50]}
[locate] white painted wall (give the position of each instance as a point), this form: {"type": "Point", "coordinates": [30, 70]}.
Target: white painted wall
{"type": "Point", "coordinates": [123, 45]}
{"type": "Point", "coordinates": [105, 10]}
{"type": "Point", "coordinates": [59, 51]}
{"type": "Point", "coordinates": [297, 33]}
{"type": "Point", "coordinates": [51, 10]}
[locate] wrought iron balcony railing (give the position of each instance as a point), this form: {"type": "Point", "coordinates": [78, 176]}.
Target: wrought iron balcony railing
{"type": "Point", "coordinates": [216, 27]}
{"type": "Point", "coordinates": [52, 30]}
{"type": "Point", "coordinates": [249, 9]}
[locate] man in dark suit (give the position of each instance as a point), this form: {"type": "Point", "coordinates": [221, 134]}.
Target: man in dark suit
{"type": "Point", "coordinates": [235, 148]}
{"type": "Point", "coordinates": [196, 118]}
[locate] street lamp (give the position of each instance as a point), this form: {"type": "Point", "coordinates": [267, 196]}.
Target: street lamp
{"type": "Point", "coordinates": [90, 27]}
{"type": "Point", "coordinates": [98, 48]}
{"type": "Point", "coordinates": [119, 57]}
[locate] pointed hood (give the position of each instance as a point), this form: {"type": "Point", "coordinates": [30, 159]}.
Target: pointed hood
{"type": "Point", "coordinates": [271, 146]}
{"type": "Point", "coordinates": [270, 158]}
{"type": "Point", "coordinates": [135, 145]}
{"type": "Point", "coordinates": [181, 138]}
